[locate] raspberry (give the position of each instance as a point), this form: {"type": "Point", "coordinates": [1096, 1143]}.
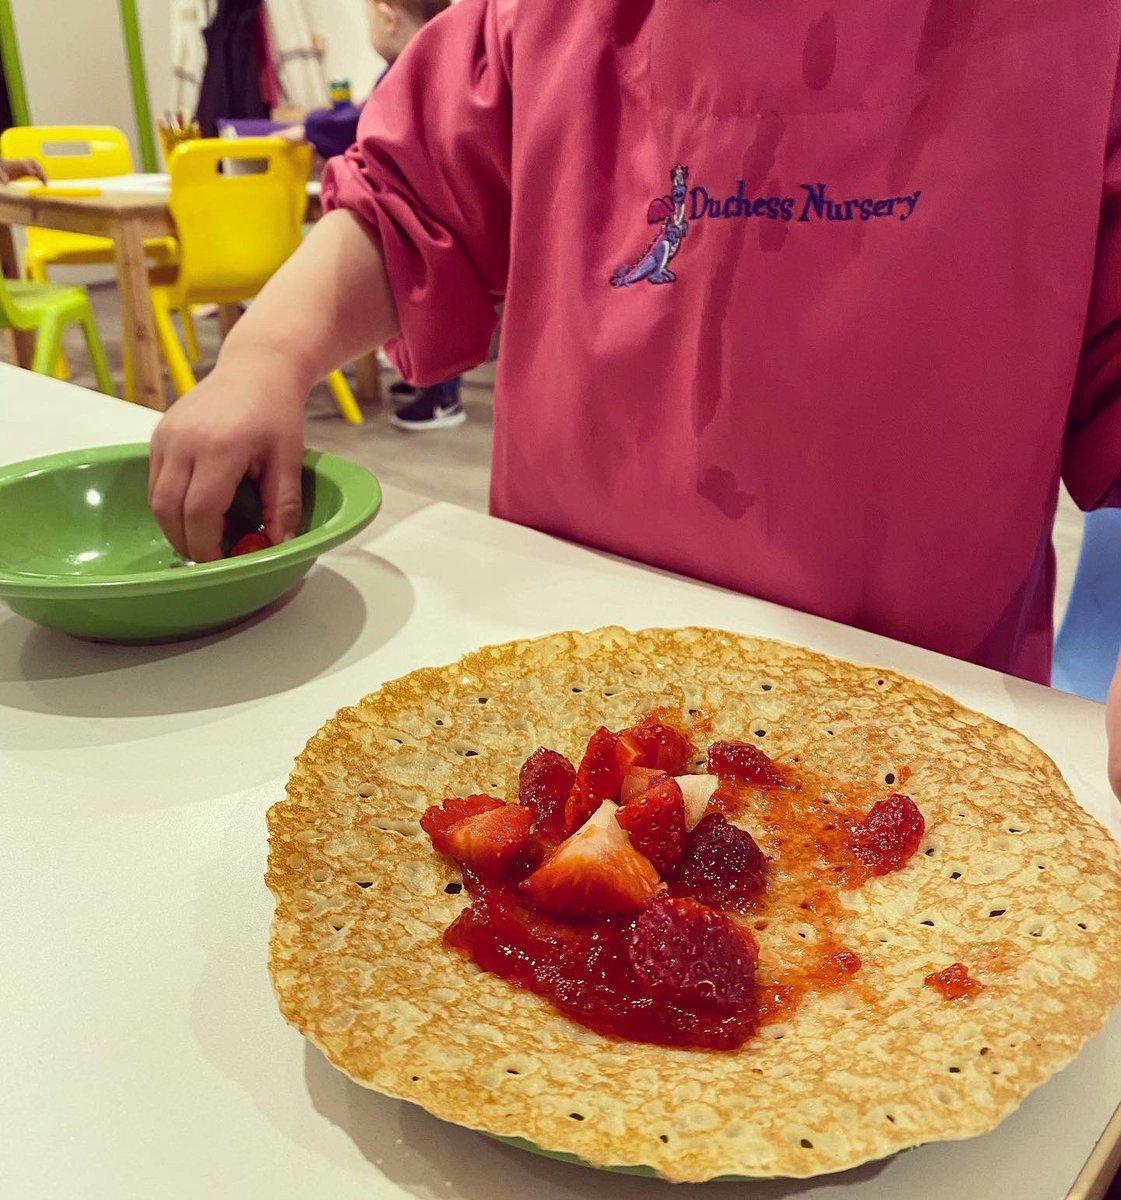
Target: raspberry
{"type": "Point", "coordinates": [722, 866]}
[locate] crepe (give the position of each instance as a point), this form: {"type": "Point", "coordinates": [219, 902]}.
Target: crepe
{"type": "Point", "coordinates": [1013, 878]}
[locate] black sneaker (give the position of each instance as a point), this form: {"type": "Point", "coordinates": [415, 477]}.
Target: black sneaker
{"type": "Point", "coordinates": [402, 389]}
{"type": "Point", "coordinates": [436, 407]}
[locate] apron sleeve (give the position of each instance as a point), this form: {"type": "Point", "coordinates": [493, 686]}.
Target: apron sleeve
{"type": "Point", "coordinates": [430, 172]}
{"type": "Point", "coordinates": [1092, 453]}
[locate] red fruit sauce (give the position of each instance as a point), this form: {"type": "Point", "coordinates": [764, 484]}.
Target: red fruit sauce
{"type": "Point", "coordinates": [954, 982]}
{"type": "Point", "coordinates": [584, 968]}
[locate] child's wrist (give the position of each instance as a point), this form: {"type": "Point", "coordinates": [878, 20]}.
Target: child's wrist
{"type": "Point", "coordinates": [264, 361]}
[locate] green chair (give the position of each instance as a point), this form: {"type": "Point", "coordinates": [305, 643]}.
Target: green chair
{"type": "Point", "coordinates": [49, 308]}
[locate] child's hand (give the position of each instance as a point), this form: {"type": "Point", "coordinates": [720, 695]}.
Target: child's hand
{"type": "Point", "coordinates": [247, 417]}
{"type": "Point", "coordinates": [1113, 730]}
{"type": "Point", "coordinates": [240, 421]}
{"type": "Point", "coordinates": [20, 168]}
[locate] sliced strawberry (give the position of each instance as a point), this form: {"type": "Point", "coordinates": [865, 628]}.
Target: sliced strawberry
{"type": "Point", "coordinates": [637, 780]}
{"type": "Point", "coordinates": [595, 872]}
{"type": "Point", "coordinates": [488, 842]}
{"type": "Point", "coordinates": [697, 791]}
{"type": "Point", "coordinates": [655, 823]}
{"type": "Point", "coordinates": [743, 761]}
{"type": "Point", "coordinates": [686, 953]}
{"type": "Point", "coordinates": [889, 834]}
{"type": "Point", "coordinates": [544, 784]}
{"type": "Point", "coordinates": [248, 543]}
{"type": "Point", "coordinates": [722, 865]}
{"type": "Point", "coordinates": [441, 818]}
{"type": "Point", "coordinates": [599, 776]}
{"type": "Point", "coordinates": [659, 746]}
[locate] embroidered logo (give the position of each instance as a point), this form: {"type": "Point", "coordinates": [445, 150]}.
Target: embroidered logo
{"type": "Point", "coordinates": [653, 266]}
{"type": "Point", "coordinates": [816, 204]}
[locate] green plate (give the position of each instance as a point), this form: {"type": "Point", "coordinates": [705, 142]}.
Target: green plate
{"type": "Point", "coordinates": [80, 550]}
{"type": "Point", "coordinates": [576, 1160]}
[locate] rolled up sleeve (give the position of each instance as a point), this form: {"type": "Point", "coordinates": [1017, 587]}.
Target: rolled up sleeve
{"type": "Point", "coordinates": [430, 172]}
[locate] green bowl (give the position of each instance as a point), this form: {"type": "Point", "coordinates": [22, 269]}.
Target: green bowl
{"type": "Point", "coordinates": [80, 550]}
{"type": "Point", "coordinates": [645, 1172]}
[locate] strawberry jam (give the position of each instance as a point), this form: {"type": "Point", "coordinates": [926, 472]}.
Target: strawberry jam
{"type": "Point", "coordinates": [954, 982]}
{"type": "Point", "coordinates": [605, 975]}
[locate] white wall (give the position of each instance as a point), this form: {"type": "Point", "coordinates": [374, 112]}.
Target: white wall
{"type": "Point", "coordinates": [342, 24]}
{"type": "Point", "coordinates": [155, 34]}
{"type": "Point", "coordinates": [74, 63]}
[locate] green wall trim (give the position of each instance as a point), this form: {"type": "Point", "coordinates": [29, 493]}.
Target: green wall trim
{"type": "Point", "coordinates": [138, 80]}
{"type": "Point", "coordinates": [13, 71]}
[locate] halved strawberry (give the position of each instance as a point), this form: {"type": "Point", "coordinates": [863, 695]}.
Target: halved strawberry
{"type": "Point", "coordinates": [723, 866]}
{"type": "Point", "coordinates": [596, 872]}
{"type": "Point", "coordinates": [687, 953]}
{"type": "Point", "coordinates": [743, 761]}
{"type": "Point", "coordinates": [599, 776]}
{"type": "Point", "coordinates": [659, 746]}
{"type": "Point", "coordinates": [544, 784]}
{"type": "Point", "coordinates": [479, 832]}
{"type": "Point", "coordinates": [637, 780]}
{"type": "Point", "coordinates": [655, 823]}
{"type": "Point", "coordinates": [440, 818]}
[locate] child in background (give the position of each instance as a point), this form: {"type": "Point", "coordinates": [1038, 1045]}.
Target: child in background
{"type": "Point", "coordinates": [332, 131]}
{"type": "Point", "coordinates": [816, 305]}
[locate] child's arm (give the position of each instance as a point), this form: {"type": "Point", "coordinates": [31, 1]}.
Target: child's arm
{"type": "Point", "coordinates": [421, 201]}
{"type": "Point", "coordinates": [328, 304]}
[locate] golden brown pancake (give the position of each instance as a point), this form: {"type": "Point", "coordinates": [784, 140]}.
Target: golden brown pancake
{"type": "Point", "coordinates": [1013, 878]}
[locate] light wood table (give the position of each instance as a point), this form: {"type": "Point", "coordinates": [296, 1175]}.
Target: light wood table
{"type": "Point", "coordinates": [128, 214]}
{"type": "Point", "coordinates": [128, 218]}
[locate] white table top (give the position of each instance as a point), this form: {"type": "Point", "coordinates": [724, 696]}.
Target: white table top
{"type": "Point", "coordinates": [143, 1053]}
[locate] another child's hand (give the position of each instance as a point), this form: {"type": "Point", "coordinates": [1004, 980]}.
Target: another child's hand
{"type": "Point", "coordinates": [239, 422]}
{"type": "Point", "coordinates": [20, 168]}
{"type": "Point", "coordinates": [1113, 730]}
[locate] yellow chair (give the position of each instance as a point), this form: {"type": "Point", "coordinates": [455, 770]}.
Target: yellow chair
{"type": "Point", "coordinates": [238, 206]}
{"type": "Point", "coordinates": [79, 152]}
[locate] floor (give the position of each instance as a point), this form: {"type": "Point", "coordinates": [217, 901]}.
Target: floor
{"type": "Point", "coordinates": [447, 464]}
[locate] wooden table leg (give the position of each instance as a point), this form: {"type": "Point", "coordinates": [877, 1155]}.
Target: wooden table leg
{"type": "Point", "coordinates": [367, 379]}
{"type": "Point", "coordinates": [21, 344]}
{"type": "Point", "coordinates": [139, 324]}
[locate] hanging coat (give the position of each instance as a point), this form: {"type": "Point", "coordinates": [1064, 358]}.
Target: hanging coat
{"type": "Point", "coordinates": [299, 62]}
{"type": "Point", "coordinates": [188, 52]}
{"type": "Point", "coordinates": [231, 83]}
